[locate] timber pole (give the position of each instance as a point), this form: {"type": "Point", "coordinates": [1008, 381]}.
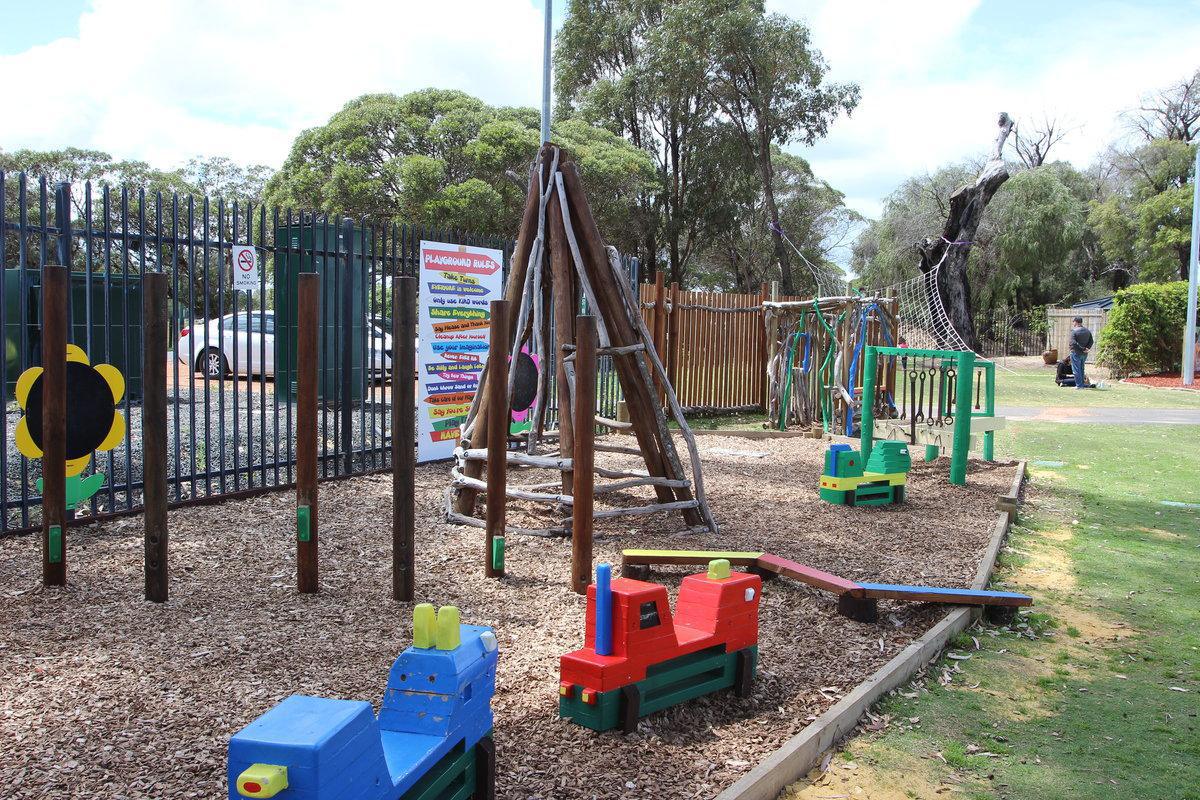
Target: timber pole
{"type": "Point", "coordinates": [154, 433]}
{"type": "Point", "coordinates": [54, 425]}
{"type": "Point", "coordinates": [404, 389]}
{"type": "Point", "coordinates": [496, 387]}
{"type": "Point", "coordinates": [307, 322]}
{"type": "Point", "coordinates": [583, 489]}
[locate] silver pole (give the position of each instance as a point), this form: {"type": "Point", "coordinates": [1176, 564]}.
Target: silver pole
{"type": "Point", "coordinates": [1189, 331]}
{"type": "Point", "coordinates": [546, 75]}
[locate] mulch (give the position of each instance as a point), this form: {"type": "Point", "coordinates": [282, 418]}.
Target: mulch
{"type": "Point", "coordinates": [1164, 380]}
{"type": "Point", "coordinates": [105, 695]}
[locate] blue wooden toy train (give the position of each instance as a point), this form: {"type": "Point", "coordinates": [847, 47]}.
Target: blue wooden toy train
{"type": "Point", "coordinates": [431, 741]}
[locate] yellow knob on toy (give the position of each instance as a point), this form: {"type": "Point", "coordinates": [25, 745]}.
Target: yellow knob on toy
{"type": "Point", "coordinates": [718, 568]}
{"type": "Point", "coordinates": [262, 780]}
{"type": "Point", "coordinates": [447, 628]}
{"type": "Point", "coordinates": [424, 625]}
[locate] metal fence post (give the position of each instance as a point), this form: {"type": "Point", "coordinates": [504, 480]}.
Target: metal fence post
{"type": "Point", "coordinates": [346, 281]}
{"type": "Point", "coordinates": [404, 388]}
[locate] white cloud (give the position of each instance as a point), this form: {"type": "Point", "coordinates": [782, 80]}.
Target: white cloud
{"type": "Point", "coordinates": [163, 81]}
{"type": "Point", "coordinates": [931, 88]}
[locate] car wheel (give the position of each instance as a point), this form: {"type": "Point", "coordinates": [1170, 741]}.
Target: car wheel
{"type": "Point", "coordinates": [213, 364]}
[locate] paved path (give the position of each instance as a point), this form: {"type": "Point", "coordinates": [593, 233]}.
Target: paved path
{"type": "Point", "coordinates": [1101, 416]}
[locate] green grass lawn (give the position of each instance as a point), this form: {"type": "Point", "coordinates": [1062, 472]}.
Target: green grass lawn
{"type": "Point", "coordinates": [1030, 387]}
{"type": "Point", "coordinates": [1094, 694]}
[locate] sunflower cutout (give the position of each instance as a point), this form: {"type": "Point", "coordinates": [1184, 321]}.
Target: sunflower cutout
{"type": "Point", "coordinates": [93, 422]}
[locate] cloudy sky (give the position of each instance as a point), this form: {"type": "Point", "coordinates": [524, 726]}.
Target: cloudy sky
{"type": "Point", "coordinates": [164, 80]}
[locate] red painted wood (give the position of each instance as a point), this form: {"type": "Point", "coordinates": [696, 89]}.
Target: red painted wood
{"type": "Point", "coordinates": [810, 575]}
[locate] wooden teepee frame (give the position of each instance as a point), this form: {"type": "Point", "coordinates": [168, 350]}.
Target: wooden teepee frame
{"type": "Point", "coordinates": [560, 257]}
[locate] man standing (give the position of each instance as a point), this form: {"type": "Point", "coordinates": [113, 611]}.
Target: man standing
{"type": "Point", "coordinates": [1081, 343]}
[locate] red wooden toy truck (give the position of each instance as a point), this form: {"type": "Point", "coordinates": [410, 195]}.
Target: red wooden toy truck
{"type": "Point", "coordinates": [636, 660]}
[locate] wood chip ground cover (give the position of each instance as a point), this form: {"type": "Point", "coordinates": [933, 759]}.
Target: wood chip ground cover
{"type": "Point", "coordinates": [103, 695]}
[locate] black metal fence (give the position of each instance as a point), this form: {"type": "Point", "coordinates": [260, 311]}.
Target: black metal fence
{"type": "Point", "coordinates": [230, 379]}
{"type": "Point", "coordinates": [231, 375]}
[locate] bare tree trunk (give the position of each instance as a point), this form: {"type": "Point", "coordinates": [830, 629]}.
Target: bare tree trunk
{"type": "Point", "coordinates": [953, 247]}
{"type": "Point", "coordinates": [786, 283]}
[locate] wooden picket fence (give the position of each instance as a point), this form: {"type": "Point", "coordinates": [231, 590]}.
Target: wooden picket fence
{"type": "Point", "coordinates": [713, 344]}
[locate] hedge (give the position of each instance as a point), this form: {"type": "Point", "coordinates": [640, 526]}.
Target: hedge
{"type": "Point", "coordinates": [1144, 332]}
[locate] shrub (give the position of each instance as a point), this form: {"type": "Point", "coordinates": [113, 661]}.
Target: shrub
{"type": "Point", "coordinates": [1144, 333]}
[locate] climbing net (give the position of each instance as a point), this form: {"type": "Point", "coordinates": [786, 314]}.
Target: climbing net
{"type": "Point", "coordinates": [922, 320]}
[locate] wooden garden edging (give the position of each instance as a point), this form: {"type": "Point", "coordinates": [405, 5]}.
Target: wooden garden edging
{"type": "Point", "coordinates": [801, 753]}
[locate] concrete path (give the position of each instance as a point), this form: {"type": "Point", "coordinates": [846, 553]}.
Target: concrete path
{"type": "Point", "coordinates": [1101, 416]}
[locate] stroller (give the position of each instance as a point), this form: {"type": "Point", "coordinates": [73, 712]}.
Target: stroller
{"type": "Point", "coordinates": [1065, 375]}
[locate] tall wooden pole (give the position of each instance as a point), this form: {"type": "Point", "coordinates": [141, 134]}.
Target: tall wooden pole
{"type": "Point", "coordinates": [497, 439]}
{"type": "Point", "coordinates": [54, 425]}
{"type": "Point", "coordinates": [404, 389]}
{"type": "Point", "coordinates": [562, 278]}
{"type": "Point", "coordinates": [154, 432]}
{"type": "Point", "coordinates": [582, 491]}
{"type": "Point", "coordinates": [307, 322]}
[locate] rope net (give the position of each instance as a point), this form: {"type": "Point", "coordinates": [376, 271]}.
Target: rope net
{"type": "Point", "coordinates": [922, 320]}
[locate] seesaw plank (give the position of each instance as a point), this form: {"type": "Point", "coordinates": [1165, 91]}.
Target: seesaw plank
{"type": "Point", "coordinates": [809, 575]}
{"type": "Point", "coordinates": [702, 557]}
{"type": "Point", "coordinates": [937, 594]}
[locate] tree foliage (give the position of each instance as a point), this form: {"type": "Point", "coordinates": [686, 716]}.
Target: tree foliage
{"type": "Point", "coordinates": [1144, 332]}
{"type": "Point", "coordinates": [813, 214]}
{"type": "Point", "coordinates": [768, 81]}
{"type": "Point", "coordinates": [617, 65]}
{"type": "Point", "coordinates": [445, 158]}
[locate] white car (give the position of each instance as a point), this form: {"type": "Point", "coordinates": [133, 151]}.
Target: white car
{"type": "Point", "coordinates": [209, 347]}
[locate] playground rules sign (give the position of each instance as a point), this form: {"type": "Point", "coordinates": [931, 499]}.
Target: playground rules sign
{"type": "Point", "coordinates": [457, 284]}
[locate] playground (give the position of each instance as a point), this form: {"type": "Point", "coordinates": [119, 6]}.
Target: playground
{"type": "Point", "coordinates": [118, 692]}
{"type": "Point", "coordinates": [476, 452]}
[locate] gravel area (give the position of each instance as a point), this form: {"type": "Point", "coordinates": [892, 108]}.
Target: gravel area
{"type": "Point", "coordinates": [105, 696]}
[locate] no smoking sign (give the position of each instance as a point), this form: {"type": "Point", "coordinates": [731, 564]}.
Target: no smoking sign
{"type": "Point", "coordinates": [245, 268]}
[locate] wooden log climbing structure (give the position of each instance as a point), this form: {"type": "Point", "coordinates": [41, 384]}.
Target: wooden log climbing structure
{"type": "Point", "coordinates": [815, 365]}
{"type": "Point", "coordinates": [561, 262]}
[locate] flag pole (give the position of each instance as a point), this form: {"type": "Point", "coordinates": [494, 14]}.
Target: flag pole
{"type": "Point", "coordinates": [546, 74]}
{"type": "Point", "coordinates": [1189, 331]}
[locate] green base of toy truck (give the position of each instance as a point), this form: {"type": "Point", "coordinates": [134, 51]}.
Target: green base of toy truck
{"type": "Point", "coordinates": [867, 494]}
{"type": "Point", "coordinates": [666, 684]}
{"type": "Point", "coordinates": [457, 776]}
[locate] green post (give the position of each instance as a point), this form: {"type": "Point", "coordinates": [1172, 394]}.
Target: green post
{"type": "Point", "coordinates": [867, 425]}
{"type": "Point", "coordinates": [962, 419]}
{"type": "Point", "coordinates": [989, 408]}
{"type": "Point", "coordinates": [931, 452]}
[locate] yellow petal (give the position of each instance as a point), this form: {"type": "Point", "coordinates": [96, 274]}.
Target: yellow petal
{"type": "Point", "coordinates": [25, 442]}
{"type": "Point", "coordinates": [116, 380]}
{"type": "Point", "coordinates": [76, 465]}
{"type": "Point", "coordinates": [75, 353]}
{"type": "Point", "coordinates": [116, 434]}
{"type": "Point", "coordinates": [25, 383]}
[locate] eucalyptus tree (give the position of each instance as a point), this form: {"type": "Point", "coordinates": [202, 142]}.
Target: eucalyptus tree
{"type": "Point", "coordinates": [769, 82]}
{"type": "Point", "coordinates": [618, 65]}
{"type": "Point", "coordinates": [445, 158]}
